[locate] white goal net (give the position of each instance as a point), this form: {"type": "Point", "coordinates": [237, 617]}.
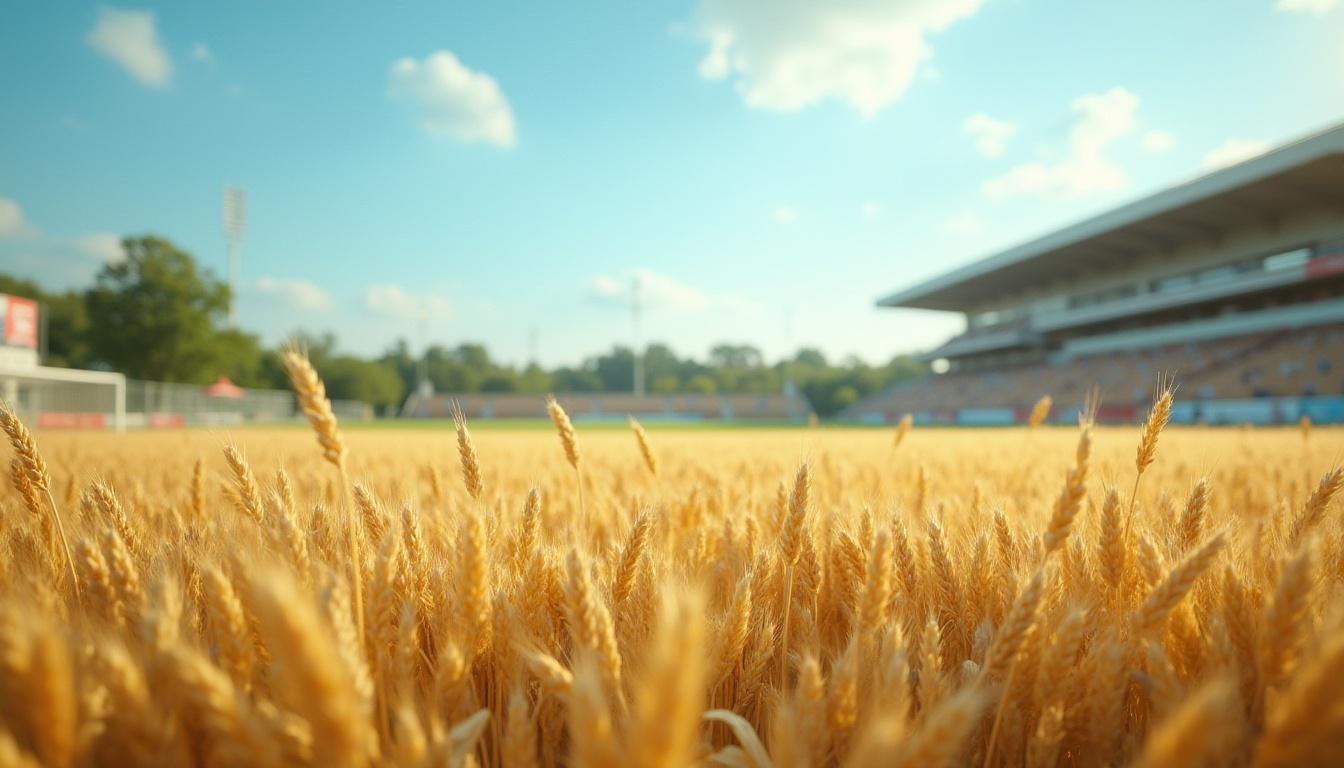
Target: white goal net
{"type": "Point", "coordinates": [60, 398]}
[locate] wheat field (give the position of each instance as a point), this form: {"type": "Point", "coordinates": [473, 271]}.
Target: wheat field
{"type": "Point", "coordinates": [1071, 596]}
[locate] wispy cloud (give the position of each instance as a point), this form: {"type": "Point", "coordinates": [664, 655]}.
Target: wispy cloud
{"type": "Point", "coordinates": [451, 100]}
{"type": "Point", "coordinates": [1312, 7]}
{"type": "Point", "coordinates": [103, 246]}
{"type": "Point", "coordinates": [131, 40]}
{"type": "Point", "coordinates": [392, 300]}
{"type": "Point", "coordinates": [991, 134]}
{"type": "Point", "coordinates": [1101, 119]}
{"type": "Point", "coordinates": [1158, 141]}
{"type": "Point", "coordinates": [1234, 151]}
{"type": "Point", "coordinates": [202, 53]}
{"type": "Point", "coordinates": [296, 293]}
{"type": "Point", "coordinates": [785, 55]}
{"type": "Point", "coordinates": [660, 291]}
{"type": "Point", "coordinates": [12, 222]}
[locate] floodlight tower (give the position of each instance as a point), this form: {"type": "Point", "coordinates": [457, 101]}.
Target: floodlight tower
{"type": "Point", "coordinates": [424, 387]}
{"type": "Point", "coordinates": [235, 219]}
{"type": "Point", "coordinates": [636, 306]}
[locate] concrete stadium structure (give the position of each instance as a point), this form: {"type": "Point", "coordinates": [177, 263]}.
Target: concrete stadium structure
{"type": "Point", "coordinates": [1210, 280]}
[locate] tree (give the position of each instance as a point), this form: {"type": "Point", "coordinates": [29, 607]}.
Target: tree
{"type": "Point", "coordinates": [734, 356]}
{"type": "Point", "coordinates": [616, 369]}
{"type": "Point", "coordinates": [153, 315]}
{"type": "Point", "coordinates": [350, 378]}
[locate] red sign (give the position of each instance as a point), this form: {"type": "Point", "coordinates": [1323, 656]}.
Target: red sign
{"type": "Point", "coordinates": [167, 421]}
{"type": "Point", "coordinates": [57, 420]}
{"type": "Point", "coordinates": [20, 321]}
{"type": "Point", "coordinates": [1329, 264]}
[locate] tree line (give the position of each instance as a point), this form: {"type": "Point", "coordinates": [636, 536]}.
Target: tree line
{"type": "Point", "coordinates": [157, 315]}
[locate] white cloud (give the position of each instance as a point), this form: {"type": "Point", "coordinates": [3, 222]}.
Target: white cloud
{"type": "Point", "coordinates": [1234, 151]}
{"type": "Point", "coordinates": [394, 301]}
{"type": "Point", "coordinates": [964, 224]}
{"type": "Point", "coordinates": [1101, 120]}
{"type": "Point", "coordinates": [452, 100]}
{"type": "Point", "coordinates": [103, 246]}
{"type": "Point", "coordinates": [991, 135]}
{"type": "Point", "coordinates": [202, 52]}
{"type": "Point", "coordinates": [1158, 141]}
{"type": "Point", "coordinates": [59, 261]}
{"type": "Point", "coordinates": [785, 55]}
{"type": "Point", "coordinates": [1313, 7]}
{"type": "Point", "coordinates": [12, 222]}
{"type": "Point", "coordinates": [785, 214]}
{"type": "Point", "coordinates": [870, 210]}
{"type": "Point", "coordinates": [659, 291]}
{"type": "Point", "coordinates": [130, 39]}
{"type": "Point", "coordinates": [296, 293]}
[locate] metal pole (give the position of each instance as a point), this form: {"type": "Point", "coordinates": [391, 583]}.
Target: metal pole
{"type": "Point", "coordinates": [635, 300]}
{"type": "Point", "coordinates": [119, 412]}
{"type": "Point", "coordinates": [233, 282]}
{"type": "Point", "coordinates": [235, 222]}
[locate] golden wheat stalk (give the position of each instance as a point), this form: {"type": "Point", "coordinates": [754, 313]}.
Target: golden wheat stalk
{"type": "Point", "coordinates": [645, 448]}
{"type": "Point", "coordinates": [466, 449]}
{"type": "Point", "coordinates": [312, 395]}
{"type": "Point", "coordinates": [39, 480]}
{"type": "Point", "coordinates": [569, 440]}
{"type": "Point", "coordinates": [1039, 412]}
{"type": "Point", "coordinates": [902, 429]}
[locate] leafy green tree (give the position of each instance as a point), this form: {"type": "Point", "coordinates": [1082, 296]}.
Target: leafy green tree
{"type": "Point", "coordinates": [616, 370]}
{"type": "Point", "coordinates": [700, 383]}
{"type": "Point", "coordinates": [153, 315]}
{"type": "Point", "coordinates": [577, 380]}
{"type": "Point", "coordinates": [350, 378]}
{"type": "Point", "coordinates": [535, 379]}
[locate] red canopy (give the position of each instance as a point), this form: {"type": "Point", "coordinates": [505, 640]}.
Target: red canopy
{"type": "Point", "coordinates": [224, 388]}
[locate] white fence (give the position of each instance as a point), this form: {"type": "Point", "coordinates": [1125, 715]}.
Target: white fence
{"type": "Point", "coordinates": [51, 398]}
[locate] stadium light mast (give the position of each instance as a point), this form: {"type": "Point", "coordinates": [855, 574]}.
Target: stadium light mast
{"type": "Point", "coordinates": [636, 305]}
{"type": "Point", "coordinates": [425, 387]}
{"type": "Point", "coordinates": [235, 219]}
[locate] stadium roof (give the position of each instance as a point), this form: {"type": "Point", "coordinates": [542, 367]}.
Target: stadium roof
{"type": "Point", "coordinates": [1306, 172]}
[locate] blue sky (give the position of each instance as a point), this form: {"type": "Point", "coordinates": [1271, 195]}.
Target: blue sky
{"type": "Point", "coordinates": [766, 169]}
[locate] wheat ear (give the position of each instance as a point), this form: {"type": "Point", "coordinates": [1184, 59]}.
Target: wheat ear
{"type": "Point", "coordinates": [25, 447]}
{"type": "Point", "coordinates": [313, 401]}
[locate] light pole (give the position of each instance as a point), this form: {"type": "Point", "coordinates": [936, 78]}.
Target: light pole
{"type": "Point", "coordinates": [235, 219]}
{"type": "Point", "coordinates": [636, 304]}
{"type": "Point", "coordinates": [426, 387]}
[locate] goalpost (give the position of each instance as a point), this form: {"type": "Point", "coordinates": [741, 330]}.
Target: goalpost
{"type": "Point", "coordinates": [65, 398]}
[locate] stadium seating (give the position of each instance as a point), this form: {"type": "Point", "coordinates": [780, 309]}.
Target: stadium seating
{"type": "Point", "coordinates": [1297, 363]}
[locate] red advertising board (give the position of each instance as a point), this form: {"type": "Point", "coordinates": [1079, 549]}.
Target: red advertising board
{"type": "Point", "coordinates": [58, 420]}
{"type": "Point", "coordinates": [1325, 264]}
{"type": "Point", "coordinates": [167, 421]}
{"type": "Point", "coordinates": [19, 320]}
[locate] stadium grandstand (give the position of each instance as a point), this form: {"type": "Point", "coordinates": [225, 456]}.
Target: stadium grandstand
{"type": "Point", "coordinates": [1232, 283]}
{"type": "Point", "coordinates": [606, 407]}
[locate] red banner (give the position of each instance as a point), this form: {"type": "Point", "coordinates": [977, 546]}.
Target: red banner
{"type": "Point", "coordinates": [58, 420]}
{"type": "Point", "coordinates": [167, 421]}
{"type": "Point", "coordinates": [1329, 264]}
